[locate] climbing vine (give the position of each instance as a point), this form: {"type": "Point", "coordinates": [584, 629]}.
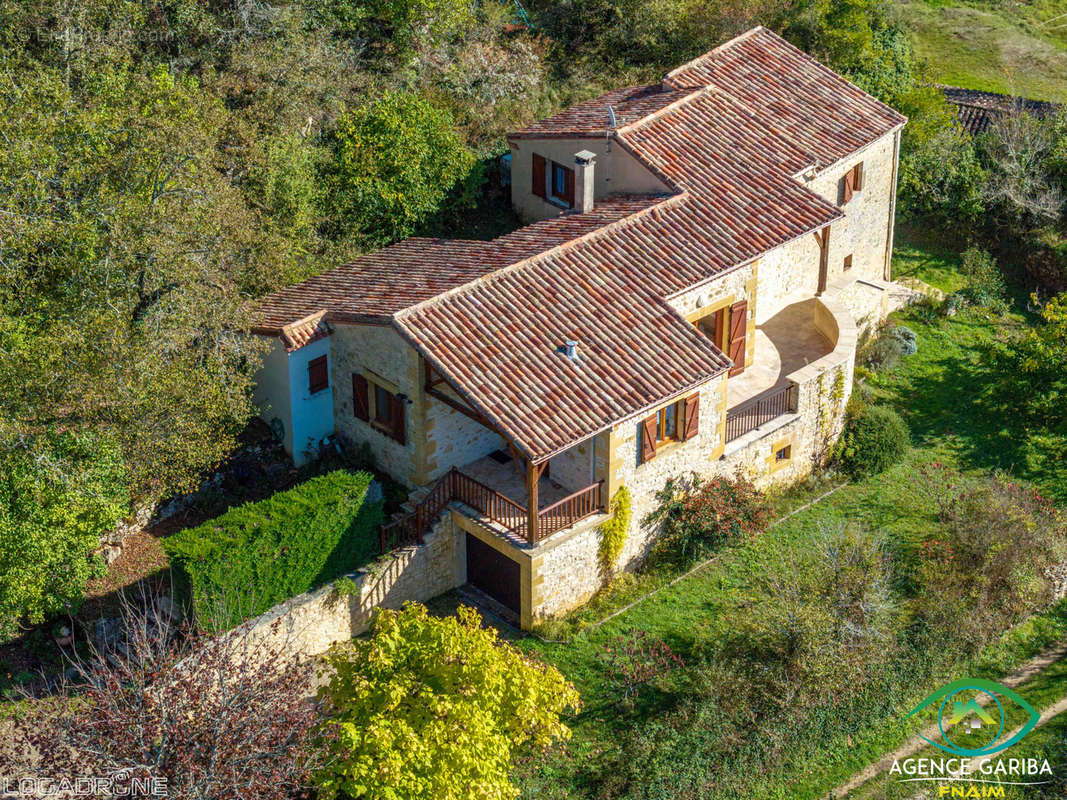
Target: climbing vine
{"type": "Point", "coordinates": [613, 530]}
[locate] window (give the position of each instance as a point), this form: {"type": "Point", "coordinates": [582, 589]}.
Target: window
{"type": "Point", "coordinates": [375, 404]}
{"type": "Point", "coordinates": [677, 422]}
{"type": "Point", "coordinates": [318, 375]}
{"type": "Point", "coordinates": [783, 454]}
{"type": "Point", "coordinates": [563, 184]}
{"type": "Point", "coordinates": [383, 404]}
{"type": "Point", "coordinates": [667, 424]}
{"type": "Point", "coordinates": [851, 183]}
{"type": "Point", "coordinates": [848, 262]}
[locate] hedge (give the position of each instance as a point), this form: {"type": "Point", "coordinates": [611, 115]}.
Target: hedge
{"type": "Point", "coordinates": [259, 554]}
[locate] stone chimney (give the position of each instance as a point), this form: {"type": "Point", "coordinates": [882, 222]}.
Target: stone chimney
{"type": "Point", "coordinates": [583, 181]}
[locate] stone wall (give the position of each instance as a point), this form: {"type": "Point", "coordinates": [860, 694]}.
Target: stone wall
{"type": "Point", "coordinates": [614, 171]}
{"type": "Point", "coordinates": [867, 226]}
{"type": "Point", "coordinates": [380, 354]}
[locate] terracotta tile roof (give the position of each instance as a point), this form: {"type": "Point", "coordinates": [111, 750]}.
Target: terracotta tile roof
{"type": "Point", "coordinates": [498, 342]}
{"type": "Point", "coordinates": [305, 331]}
{"type": "Point", "coordinates": [819, 111]}
{"type": "Point", "coordinates": [376, 285]}
{"type": "Point", "coordinates": [591, 117]}
{"type": "Point", "coordinates": [976, 111]}
{"type": "Point", "coordinates": [728, 133]}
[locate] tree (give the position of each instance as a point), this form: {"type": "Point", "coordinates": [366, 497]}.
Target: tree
{"type": "Point", "coordinates": [435, 708]}
{"type": "Point", "coordinates": [396, 159]}
{"type": "Point", "coordinates": [54, 502]}
{"type": "Point", "coordinates": [1020, 150]}
{"type": "Point", "coordinates": [215, 717]}
{"type": "Point", "coordinates": [128, 258]}
{"type": "Point", "coordinates": [1034, 366]}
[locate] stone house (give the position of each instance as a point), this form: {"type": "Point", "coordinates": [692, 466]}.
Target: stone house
{"type": "Point", "coordinates": [685, 296]}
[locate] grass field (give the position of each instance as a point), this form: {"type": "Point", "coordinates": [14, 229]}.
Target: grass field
{"type": "Point", "coordinates": [994, 46]}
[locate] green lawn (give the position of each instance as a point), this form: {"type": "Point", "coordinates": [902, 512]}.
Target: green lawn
{"type": "Point", "coordinates": [941, 392]}
{"type": "Point", "coordinates": [994, 46]}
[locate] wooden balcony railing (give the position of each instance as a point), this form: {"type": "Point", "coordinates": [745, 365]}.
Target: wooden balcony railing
{"type": "Point", "coordinates": [751, 415]}
{"type": "Point", "coordinates": [455, 485]}
{"type": "Point", "coordinates": [566, 512]}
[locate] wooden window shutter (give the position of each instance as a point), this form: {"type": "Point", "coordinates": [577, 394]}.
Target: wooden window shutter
{"type": "Point", "coordinates": [648, 439]}
{"type": "Point", "coordinates": [692, 417]}
{"type": "Point", "coordinates": [738, 331]}
{"type": "Point", "coordinates": [539, 176]}
{"type": "Point", "coordinates": [360, 399]}
{"type": "Point", "coordinates": [396, 419]}
{"type": "Point", "coordinates": [568, 187]}
{"type": "Point", "coordinates": [857, 178]}
{"type": "Point", "coordinates": [720, 323]}
{"type": "Point", "coordinates": [847, 186]}
{"type": "Point", "coordinates": [318, 374]}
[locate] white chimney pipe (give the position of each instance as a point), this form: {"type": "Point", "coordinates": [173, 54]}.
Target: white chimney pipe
{"type": "Point", "coordinates": [583, 181]}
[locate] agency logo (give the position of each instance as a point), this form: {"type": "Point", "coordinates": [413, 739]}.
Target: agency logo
{"type": "Point", "coordinates": [971, 718]}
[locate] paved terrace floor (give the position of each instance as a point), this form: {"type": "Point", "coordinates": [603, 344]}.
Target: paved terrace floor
{"type": "Point", "coordinates": [784, 343]}
{"type": "Point", "coordinates": [506, 479]}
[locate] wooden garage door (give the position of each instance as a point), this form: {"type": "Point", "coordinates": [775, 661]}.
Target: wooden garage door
{"type": "Point", "coordinates": [493, 573]}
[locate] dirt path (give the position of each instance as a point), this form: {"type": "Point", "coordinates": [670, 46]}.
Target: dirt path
{"type": "Point", "coordinates": [1051, 712]}
{"type": "Point", "coordinates": [1024, 673]}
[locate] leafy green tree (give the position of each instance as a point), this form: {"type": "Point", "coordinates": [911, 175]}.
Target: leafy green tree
{"type": "Point", "coordinates": [127, 264]}
{"type": "Point", "coordinates": [396, 162]}
{"type": "Point", "coordinates": [1034, 366]}
{"type": "Point", "coordinates": [54, 503]}
{"type": "Point", "coordinates": [435, 708]}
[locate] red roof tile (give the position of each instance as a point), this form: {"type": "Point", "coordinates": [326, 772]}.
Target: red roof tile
{"type": "Point", "coordinates": [728, 132]}
{"type": "Point", "coordinates": [817, 109]}
{"type": "Point", "coordinates": [376, 285]}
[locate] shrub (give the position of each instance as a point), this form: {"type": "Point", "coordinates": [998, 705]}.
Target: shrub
{"type": "Point", "coordinates": [875, 438]}
{"type": "Point", "coordinates": [55, 503]}
{"type": "Point", "coordinates": [987, 566]}
{"type": "Point", "coordinates": [259, 554]}
{"type": "Point", "coordinates": [432, 707]}
{"type": "Point", "coordinates": [635, 660]}
{"type": "Point", "coordinates": [166, 702]}
{"type": "Point", "coordinates": [985, 282]}
{"type": "Point", "coordinates": [906, 338]}
{"type": "Point", "coordinates": [817, 619]}
{"type": "Point", "coordinates": [698, 514]}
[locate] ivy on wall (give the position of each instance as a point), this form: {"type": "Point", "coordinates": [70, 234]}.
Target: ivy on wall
{"type": "Point", "coordinates": [613, 531]}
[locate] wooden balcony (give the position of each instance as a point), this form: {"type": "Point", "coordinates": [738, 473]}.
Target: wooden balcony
{"type": "Point", "coordinates": [561, 509]}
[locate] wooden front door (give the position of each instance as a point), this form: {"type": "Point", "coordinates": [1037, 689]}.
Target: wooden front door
{"type": "Point", "coordinates": [494, 573]}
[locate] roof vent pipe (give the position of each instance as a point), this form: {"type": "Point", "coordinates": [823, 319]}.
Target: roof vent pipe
{"type": "Point", "coordinates": [570, 349]}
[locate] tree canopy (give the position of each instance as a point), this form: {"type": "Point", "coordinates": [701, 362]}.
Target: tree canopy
{"type": "Point", "coordinates": [432, 707]}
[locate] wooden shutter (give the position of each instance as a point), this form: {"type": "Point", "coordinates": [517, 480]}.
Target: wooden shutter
{"type": "Point", "coordinates": [738, 330]}
{"type": "Point", "coordinates": [720, 322]}
{"type": "Point", "coordinates": [692, 417]}
{"type": "Point", "coordinates": [568, 187]}
{"type": "Point", "coordinates": [396, 419]}
{"type": "Point", "coordinates": [857, 177]}
{"type": "Point", "coordinates": [360, 400]}
{"type": "Point", "coordinates": [648, 439]}
{"type": "Point", "coordinates": [847, 186]}
{"type": "Point", "coordinates": [318, 374]}
{"type": "Point", "coordinates": [539, 176]}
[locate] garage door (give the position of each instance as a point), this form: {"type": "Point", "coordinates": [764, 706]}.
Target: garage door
{"type": "Point", "coordinates": [493, 573]}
